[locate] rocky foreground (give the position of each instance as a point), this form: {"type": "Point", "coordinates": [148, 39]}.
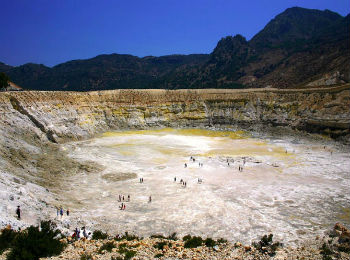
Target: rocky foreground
{"type": "Point", "coordinates": [334, 245]}
{"type": "Point", "coordinates": [150, 248]}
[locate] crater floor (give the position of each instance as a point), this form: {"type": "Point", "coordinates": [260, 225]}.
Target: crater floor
{"type": "Point", "coordinates": [294, 189]}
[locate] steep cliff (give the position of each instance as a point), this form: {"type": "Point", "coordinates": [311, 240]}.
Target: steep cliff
{"type": "Point", "coordinates": [60, 116]}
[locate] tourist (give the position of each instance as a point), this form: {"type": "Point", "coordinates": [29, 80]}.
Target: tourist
{"type": "Point", "coordinates": [61, 212]}
{"type": "Point", "coordinates": [150, 199]}
{"type": "Point", "coordinates": [67, 212]}
{"type": "Point", "coordinates": [128, 197]}
{"type": "Point", "coordinates": [175, 179]}
{"type": "Point", "coordinates": [121, 207]}
{"type": "Point", "coordinates": [76, 233]}
{"type": "Point", "coordinates": [120, 197]}
{"type": "Point", "coordinates": [124, 206]}
{"type": "Point", "coordinates": [123, 198]}
{"type": "Point", "coordinates": [185, 165]}
{"type": "Point", "coordinates": [84, 233]}
{"type": "Point", "coordinates": [18, 212]}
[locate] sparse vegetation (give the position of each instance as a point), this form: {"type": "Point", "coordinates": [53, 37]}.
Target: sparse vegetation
{"type": "Point", "coordinates": [221, 241]}
{"type": "Point", "coordinates": [128, 254]}
{"type": "Point", "coordinates": [107, 246]}
{"type": "Point", "coordinates": [266, 245]}
{"type": "Point", "coordinates": [170, 237]}
{"type": "Point", "coordinates": [192, 242]}
{"type": "Point", "coordinates": [98, 234]}
{"type": "Point", "coordinates": [6, 238]}
{"type": "Point", "coordinates": [127, 237]}
{"type": "Point", "coordinates": [209, 242]}
{"type": "Point", "coordinates": [326, 252]}
{"type": "Point", "coordinates": [158, 255]}
{"type": "Point", "coordinates": [34, 243]}
{"type": "Point", "coordinates": [161, 245]}
{"type": "Point", "coordinates": [4, 80]}
{"type": "Point", "coordinates": [86, 256]}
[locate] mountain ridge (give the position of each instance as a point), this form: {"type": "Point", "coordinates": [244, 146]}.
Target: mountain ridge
{"type": "Point", "coordinates": [296, 47]}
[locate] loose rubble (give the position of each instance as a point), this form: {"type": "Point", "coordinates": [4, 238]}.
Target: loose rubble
{"type": "Point", "coordinates": [337, 241]}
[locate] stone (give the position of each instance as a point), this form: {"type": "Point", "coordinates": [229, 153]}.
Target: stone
{"type": "Point", "coordinates": [247, 248]}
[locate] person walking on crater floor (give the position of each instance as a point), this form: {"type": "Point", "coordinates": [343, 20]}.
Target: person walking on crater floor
{"type": "Point", "coordinates": [150, 199]}
{"type": "Point", "coordinates": [61, 212]}
{"type": "Point", "coordinates": [18, 212]}
{"type": "Point", "coordinates": [67, 212]}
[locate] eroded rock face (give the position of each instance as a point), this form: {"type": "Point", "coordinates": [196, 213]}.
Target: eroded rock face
{"type": "Point", "coordinates": [60, 116]}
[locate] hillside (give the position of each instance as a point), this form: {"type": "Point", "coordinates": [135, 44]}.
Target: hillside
{"type": "Point", "coordinates": [296, 48]}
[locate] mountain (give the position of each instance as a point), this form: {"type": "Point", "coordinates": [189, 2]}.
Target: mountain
{"type": "Point", "coordinates": [299, 47]}
{"type": "Point", "coordinates": [101, 72]}
{"type": "Point", "coordinates": [295, 48]}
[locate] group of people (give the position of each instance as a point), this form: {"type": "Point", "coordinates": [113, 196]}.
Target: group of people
{"type": "Point", "coordinates": [240, 167]}
{"type": "Point", "coordinates": [60, 212]}
{"type": "Point", "coordinates": [77, 231]}
{"type": "Point", "coordinates": [122, 198]}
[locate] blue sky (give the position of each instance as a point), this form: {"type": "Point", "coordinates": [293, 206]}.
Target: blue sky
{"type": "Point", "coordinates": [55, 31]}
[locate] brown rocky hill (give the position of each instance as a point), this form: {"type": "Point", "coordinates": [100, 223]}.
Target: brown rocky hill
{"type": "Point", "coordinates": [299, 47]}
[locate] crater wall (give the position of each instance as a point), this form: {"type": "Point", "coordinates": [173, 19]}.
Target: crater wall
{"type": "Point", "coordinates": [61, 116]}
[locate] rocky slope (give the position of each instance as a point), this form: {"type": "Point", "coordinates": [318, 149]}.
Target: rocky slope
{"type": "Point", "coordinates": [59, 116]}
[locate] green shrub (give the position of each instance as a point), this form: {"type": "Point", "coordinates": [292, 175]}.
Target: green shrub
{"type": "Point", "coordinates": [158, 255]}
{"type": "Point", "coordinates": [157, 236]}
{"type": "Point", "coordinates": [344, 248]}
{"type": "Point", "coordinates": [107, 246]}
{"type": "Point", "coordinates": [193, 242]}
{"type": "Point", "coordinates": [86, 256]}
{"type": "Point", "coordinates": [187, 237]}
{"type": "Point", "coordinates": [117, 258]}
{"type": "Point", "coordinates": [326, 252]}
{"type": "Point", "coordinates": [129, 254]}
{"type": "Point", "coordinates": [34, 243]}
{"type": "Point", "coordinates": [172, 237]}
{"type": "Point", "coordinates": [160, 245]}
{"type": "Point", "coordinates": [6, 238]}
{"type": "Point", "coordinates": [221, 241]}
{"type": "Point", "coordinates": [127, 237]}
{"type": "Point", "coordinates": [265, 245]}
{"type": "Point", "coordinates": [209, 242]}
{"type": "Point", "coordinates": [98, 234]}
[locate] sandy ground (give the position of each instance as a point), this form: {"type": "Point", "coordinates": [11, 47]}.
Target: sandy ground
{"type": "Point", "coordinates": [291, 188]}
